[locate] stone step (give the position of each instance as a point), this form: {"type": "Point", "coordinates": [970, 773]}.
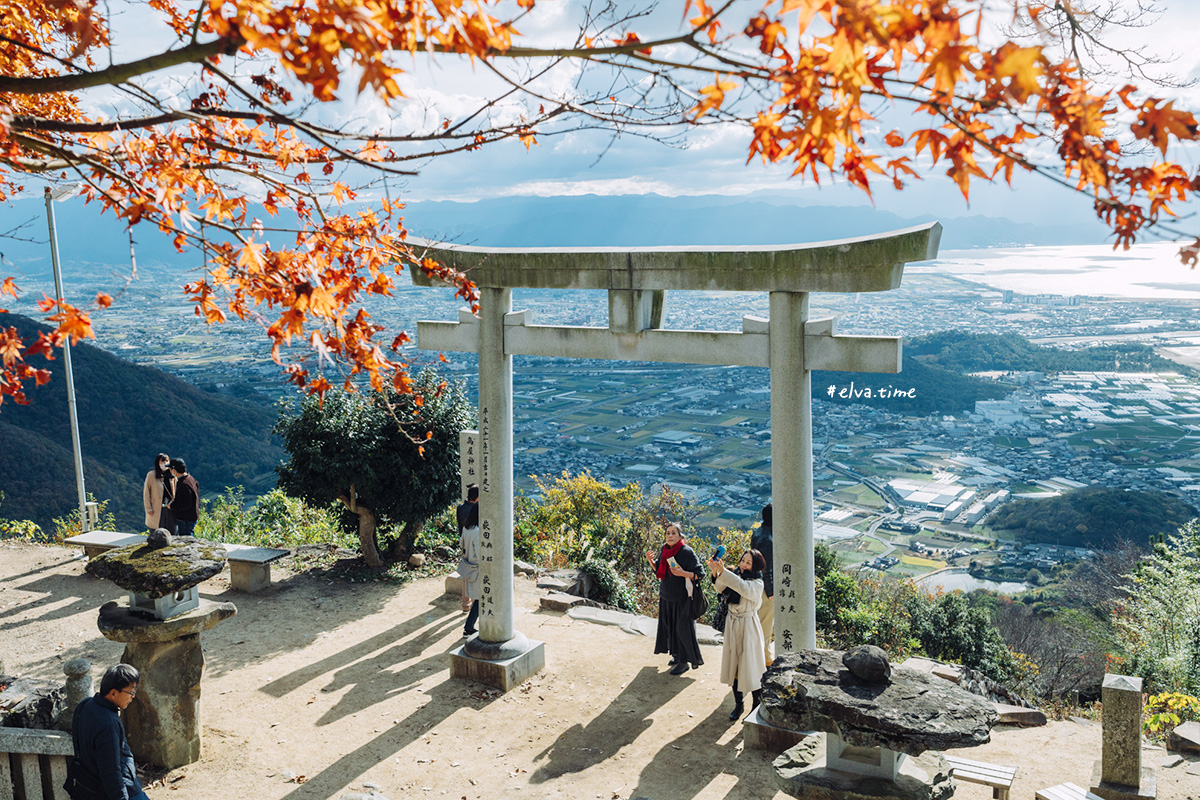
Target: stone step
{"type": "Point", "coordinates": [1016, 715]}
{"type": "Point", "coordinates": [558, 601]}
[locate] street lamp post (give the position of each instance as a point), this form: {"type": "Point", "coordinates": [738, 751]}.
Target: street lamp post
{"type": "Point", "coordinates": [58, 291]}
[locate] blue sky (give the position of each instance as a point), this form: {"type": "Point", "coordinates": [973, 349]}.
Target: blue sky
{"type": "Point", "coordinates": [713, 160]}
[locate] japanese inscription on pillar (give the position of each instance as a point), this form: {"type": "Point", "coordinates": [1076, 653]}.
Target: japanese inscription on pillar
{"type": "Point", "coordinates": [468, 465]}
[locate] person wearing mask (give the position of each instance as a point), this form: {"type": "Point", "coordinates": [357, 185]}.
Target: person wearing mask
{"type": "Point", "coordinates": [158, 491]}
{"type": "Point", "coordinates": [742, 663]}
{"type": "Point", "coordinates": [761, 540]}
{"type": "Point", "coordinates": [676, 627]}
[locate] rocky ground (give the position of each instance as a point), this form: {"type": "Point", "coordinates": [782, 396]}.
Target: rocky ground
{"type": "Point", "coordinates": [320, 689]}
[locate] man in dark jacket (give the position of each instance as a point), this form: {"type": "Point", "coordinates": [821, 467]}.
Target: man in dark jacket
{"type": "Point", "coordinates": [464, 508]}
{"type": "Point", "coordinates": [101, 750]}
{"type": "Point", "coordinates": [186, 505]}
{"type": "Point", "coordinates": [761, 541]}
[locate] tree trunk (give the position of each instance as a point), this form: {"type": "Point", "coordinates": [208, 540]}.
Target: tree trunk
{"type": "Point", "coordinates": [366, 530]}
{"type": "Point", "coordinates": [402, 548]}
{"type": "Point", "coordinates": [366, 537]}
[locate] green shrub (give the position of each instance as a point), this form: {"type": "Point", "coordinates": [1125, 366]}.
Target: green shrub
{"type": "Point", "coordinates": [607, 585]}
{"type": "Point", "coordinates": [274, 520]}
{"type": "Point", "coordinates": [1158, 627]}
{"type": "Point", "coordinates": [68, 526]}
{"type": "Point", "coordinates": [440, 531]}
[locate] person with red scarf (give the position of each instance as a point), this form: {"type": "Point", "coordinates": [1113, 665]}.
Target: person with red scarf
{"type": "Point", "coordinates": [676, 628]}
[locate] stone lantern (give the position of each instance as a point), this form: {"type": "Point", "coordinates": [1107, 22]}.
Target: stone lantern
{"type": "Point", "coordinates": [879, 730]}
{"type": "Point", "coordinates": [160, 623]}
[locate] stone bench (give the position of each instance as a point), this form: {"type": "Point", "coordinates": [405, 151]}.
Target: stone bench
{"type": "Point", "coordinates": [249, 566]}
{"type": "Point", "coordinates": [1065, 791]}
{"type": "Point", "coordinates": [33, 764]}
{"type": "Point", "coordinates": [1000, 778]}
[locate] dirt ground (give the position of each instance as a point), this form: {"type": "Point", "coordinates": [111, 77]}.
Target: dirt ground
{"type": "Point", "coordinates": [318, 690]}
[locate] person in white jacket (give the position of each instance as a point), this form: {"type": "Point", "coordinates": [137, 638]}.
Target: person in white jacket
{"type": "Point", "coordinates": [468, 568]}
{"type": "Point", "coordinates": [742, 659]}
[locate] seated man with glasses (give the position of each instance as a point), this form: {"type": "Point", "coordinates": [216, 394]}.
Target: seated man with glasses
{"type": "Point", "coordinates": [103, 766]}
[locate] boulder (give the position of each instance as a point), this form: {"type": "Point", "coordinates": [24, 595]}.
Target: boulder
{"type": "Point", "coordinates": [914, 712]}
{"type": "Point", "coordinates": [869, 663]}
{"type": "Point", "coordinates": [1185, 738]}
{"type": "Point", "coordinates": [158, 572]}
{"type": "Point", "coordinates": [41, 709]}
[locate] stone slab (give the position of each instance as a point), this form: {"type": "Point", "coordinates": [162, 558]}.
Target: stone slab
{"type": "Point", "coordinates": [505, 674]}
{"type": "Point", "coordinates": [1016, 715]}
{"type": "Point", "coordinates": [802, 772]}
{"type": "Point", "coordinates": [42, 742]}
{"type": "Point", "coordinates": [554, 584]}
{"type": "Point", "coordinates": [1171, 761]}
{"type": "Point", "coordinates": [454, 584]}
{"type": "Point", "coordinates": [155, 572]}
{"type": "Point", "coordinates": [557, 601]}
{"type": "Point", "coordinates": [121, 624]}
{"type": "Point", "coordinates": [920, 664]}
{"type": "Point", "coordinates": [643, 626]}
{"type": "Point", "coordinates": [948, 672]}
{"type": "Point", "coordinates": [708, 635]}
{"type": "Point", "coordinates": [758, 734]}
{"type": "Point", "coordinates": [1194, 769]}
{"type": "Point", "coordinates": [1185, 738]}
{"type": "Point", "coordinates": [602, 616]}
{"type": "Point", "coordinates": [1147, 789]}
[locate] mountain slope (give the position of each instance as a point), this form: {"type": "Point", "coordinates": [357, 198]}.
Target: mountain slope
{"type": "Point", "coordinates": [127, 414]}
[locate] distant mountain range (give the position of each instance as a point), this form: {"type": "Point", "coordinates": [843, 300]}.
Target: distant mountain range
{"type": "Point", "coordinates": [127, 414]}
{"type": "Point", "coordinates": [88, 239]}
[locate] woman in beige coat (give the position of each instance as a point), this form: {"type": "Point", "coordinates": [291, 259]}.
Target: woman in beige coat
{"type": "Point", "coordinates": [742, 660]}
{"type": "Point", "coordinates": [157, 493]}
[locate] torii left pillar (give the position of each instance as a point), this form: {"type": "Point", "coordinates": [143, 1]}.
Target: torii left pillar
{"type": "Point", "coordinates": [499, 655]}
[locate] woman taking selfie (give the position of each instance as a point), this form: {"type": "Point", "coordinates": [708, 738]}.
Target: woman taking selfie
{"type": "Point", "coordinates": [679, 570]}
{"type": "Point", "coordinates": [742, 660]}
{"type": "Point", "coordinates": [157, 493]}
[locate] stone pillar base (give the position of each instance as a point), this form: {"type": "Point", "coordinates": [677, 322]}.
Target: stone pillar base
{"type": "Point", "coordinates": [248, 577]}
{"type": "Point", "coordinates": [514, 665]}
{"type": "Point", "coordinates": [801, 772]}
{"type": "Point", "coordinates": [758, 734]}
{"type": "Point", "coordinates": [1147, 790]}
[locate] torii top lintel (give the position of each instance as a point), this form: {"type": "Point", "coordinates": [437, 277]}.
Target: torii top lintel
{"type": "Point", "coordinates": [864, 264]}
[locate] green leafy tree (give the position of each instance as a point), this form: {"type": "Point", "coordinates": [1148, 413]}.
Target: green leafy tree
{"type": "Point", "coordinates": [1159, 626]}
{"type": "Point", "coordinates": [390, 459]}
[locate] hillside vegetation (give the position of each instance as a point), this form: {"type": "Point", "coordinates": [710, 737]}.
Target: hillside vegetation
{"type": "Point", "coordinates": [976, 352]}
{"type": "Point", "coordinates": [127, 414]}
{"type": "Point", "coordinates": [1094, 517]}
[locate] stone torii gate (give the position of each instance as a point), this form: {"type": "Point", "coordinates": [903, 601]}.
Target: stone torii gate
{"type": "Point", "coordinates": [637, 279]}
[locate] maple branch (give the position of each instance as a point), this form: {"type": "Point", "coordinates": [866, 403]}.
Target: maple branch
{"type": "Point", "coordinates": [119, 73]}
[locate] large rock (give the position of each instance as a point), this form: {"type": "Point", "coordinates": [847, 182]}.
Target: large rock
{"type": "Point", "coordinates": [160, 571]}
{"type": "Point", "coordinates": [868, 662]}
{"type": "Point", "coordinates": [914, 712]}
{"type": "Point", "coordinates": [1185, 738]}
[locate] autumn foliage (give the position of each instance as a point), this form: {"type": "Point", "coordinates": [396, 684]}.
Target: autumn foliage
{"type": "Point", "coordinates": [232, 159]}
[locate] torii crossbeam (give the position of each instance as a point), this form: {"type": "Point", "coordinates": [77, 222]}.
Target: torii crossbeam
{"type": "Point", "coordinates": [788, 343]}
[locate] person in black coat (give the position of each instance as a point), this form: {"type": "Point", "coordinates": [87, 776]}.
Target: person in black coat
{"type": "Point", "coordinates": [103, 763]}
{"type": "Point", "coordinates": [676, 628]}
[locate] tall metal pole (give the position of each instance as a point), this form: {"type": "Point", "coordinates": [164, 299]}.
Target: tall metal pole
{"type": "Point", "coordinates": [58, 291]}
